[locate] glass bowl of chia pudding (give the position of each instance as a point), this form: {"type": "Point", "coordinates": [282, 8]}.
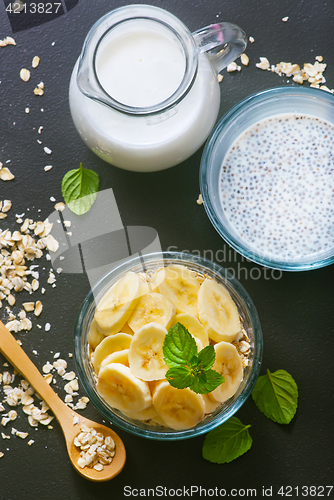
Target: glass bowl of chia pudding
{"type": "Point", "coordinates": [267, 178]}
{"type": "Point", "coordinates": [106, 357]}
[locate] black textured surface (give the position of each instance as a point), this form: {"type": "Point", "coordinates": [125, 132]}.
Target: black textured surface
{"type": "Point", "coordinates": [296, 311]}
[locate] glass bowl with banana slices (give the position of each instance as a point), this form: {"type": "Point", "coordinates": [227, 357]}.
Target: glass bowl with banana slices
{"type": "Point", "coordinates": [168, 345]}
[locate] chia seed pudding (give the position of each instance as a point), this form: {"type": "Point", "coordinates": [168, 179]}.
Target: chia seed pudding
{"type": "Point", "coordinates": [277, 186]}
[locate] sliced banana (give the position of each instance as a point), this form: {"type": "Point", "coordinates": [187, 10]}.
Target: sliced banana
{"type": "Point", "coordinates": [181, 287]}
{"type": "Point", "coordinates": [218, 312]}
{"type": "Point", "coordinates": [147, 283]}
{"type": "Point", "coordinates": [143, 415]}
{"type": "Point", "coordinates": [229, 364]}
{"type": "Point", "coordinates": [179, 408]}
{"type": "Point", "coordinates": [110, 344]}
{"type": "Point", "coordinates": [117, 305]}
{"type": "Point", "coordinates": [194, 326]}
{"type": "Point", "coordinates": [94, 336]}
{"type": "Point", "coordinates": [210, 404]}
{"type": "Point", "coordinates": [127, 329]}
{"type": "Point", "coordinates": [146, 358]}
{"type": "Point", "coordinates": [117, 357]}
{"type": "Point", "coordinates": [152, 307]}
{"type": "Point", "coordinates": [122, 390]}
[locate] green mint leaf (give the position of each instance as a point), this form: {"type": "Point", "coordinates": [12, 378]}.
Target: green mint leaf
{"type": "Point", "coordinates": [206, 357]}
{"type": "Point", "coordinates": [179, 346]}
{"type": "Point", "coordinates": [227, 442]}
{"type": "Point", "coordinates": [180, 377]}
{"type": "Point", "coordinates": [79, 188]}
{"type": "Point", "coordinates": [206, 381]}
{"type": "Point", "coordinates": [276, 395]}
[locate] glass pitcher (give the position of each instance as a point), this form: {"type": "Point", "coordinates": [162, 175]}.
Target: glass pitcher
{"type": "Point", "coordinates": [144, 93]}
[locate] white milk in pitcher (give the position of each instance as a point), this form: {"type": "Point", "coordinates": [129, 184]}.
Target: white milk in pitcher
{"type": "Point", "coordinates": [141, 66]}
{"type": "Point", "coordinates": [141, 69]}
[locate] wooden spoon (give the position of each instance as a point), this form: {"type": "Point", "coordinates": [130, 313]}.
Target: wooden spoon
{"type": "Point", "coordinates": [19, 359]}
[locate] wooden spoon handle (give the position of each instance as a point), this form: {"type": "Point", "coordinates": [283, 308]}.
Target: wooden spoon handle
{"type": "Point", "coordinates": [19, 359]}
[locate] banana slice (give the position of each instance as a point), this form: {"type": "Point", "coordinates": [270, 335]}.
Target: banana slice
{"type": "Point", "coordinates": [110, 344]}
{"type": "Point", "coordinates": [117, 305]}
{"type": "Point", "coordinates": [194, 326]}
{"type": "Point", "coordinates": [210, 404]}
{"type": "Point", "coordinates": [179, 408]}
{"type": "Point", "coordinates": [152, 307]}
{"type": "Point", "coordinates": [147, 283]}
{"type": "Point", "coordinates": [146, 358]}
{"type": "Point", "coordinates": [218, 312]}
{"type": "Point", "coordinates": [229, 364]}
{"type": "Point", "coordinates": [94, 337]}
{"type": "Point", "coordinates": [181, 287]}
{"type": "Point", "coordinates": [143, 415]}
{"type": "Point", "coordinates": [116, 357]}
{"type": "Point", "coordinates": [122, 390]}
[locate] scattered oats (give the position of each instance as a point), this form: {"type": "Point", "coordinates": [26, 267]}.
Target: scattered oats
{"type": "Point", "coordinates": [71, 387]}
{"type": "Point", "coordinates": [199, 200]}
{"type": "Point", "coordinates": [47, 367]}
{"type": "Point", "coordinates": [233, 67]}
{"type": "Point", "coordinates": [35, 62]}
{"type": "Point", "coordinates": [1, 452]}
{"type": "Point", "coordinates": [251, 39]}
{"type": "Point", "coordinates": [12, 415]}
{"type": "Point", "coordinates": [22, 435]}
{"type": "Point", "coordinates": [59, 270]}
{"type": "Point", "coordinates": [47, 168]}
{"type": "Point", "coordinates": [4, 421]}
{"type": "Point", "coordinates": [6, 205]}
{"type": "Point", "coordinates": [40, 85]}
{"type": "Point", "coordinates": [4, 436]}
{"type": "Point", "coordinates": [13, 326]}
{"type": "Point", "coordinates": [22, 314]}
{"type": "Point", "coordinates": [56, 356]}
{"type": "Point", "coordinates": [47, 150]}
{"type": "Point", "coordinates": [35, 352]}
{"type": "Point", "coordinates": [319, 58]}
{"type": "Point", "coordinates": [40, 129]}
{"type": "Point", "coordinates": [51, 278]}
{"type": "Point", "coordinates": [59, 206]}
{"type": "Point", "coordinates": [285, 19]}
{"type": "Point", "coordinates": [244, 59]}
{"type": "Point", "coordinates": [263, 64]}
{"type": "Point", "coordinates": [9, 40]}
{"type": "Point", "coordinates": [5, 174]}
{"type": "Point", "coordinates": [220, 77]}
{"type": "Point", "coordinates": [67, 223]}
{"type": "Point", "coordinates": [69, 376]}
{"type": "Point", "coordinates": [25, 74]}
{"type": "Point", "coordinates": [69, 233]}
{"type": "Point", "coordinates": [29, 306]}
{"type": "Point", "coordinates": [48, 257]}
{"type": "Point", "coordinates": [68, 398]}
{"type": "Point", "coordinates": [39, 326]}
{"type": "Point", "coordinates": [38, 308]}
{"type": "Point", "coordinates": [39, 91]}
{"type": "Point", "coordinates": [51, 243]}
{"type": "Point", "coordinates": [2, 215]}
{"type": "Point", "coordinates": [70, 355]}
{"type": "Point", "coordinates": [2, 408]}
{"type": "Point", "coordinates": [47, 327]}
{"type": "Point", "coordinates": [30, 442]}
{"type": "Point", "coordinates": [43, 290]}
{"type": "Point", "coordinates": [35, 284]}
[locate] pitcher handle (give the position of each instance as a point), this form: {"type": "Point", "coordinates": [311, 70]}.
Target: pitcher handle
{"type": "Point", "coordinates": [222, 42]}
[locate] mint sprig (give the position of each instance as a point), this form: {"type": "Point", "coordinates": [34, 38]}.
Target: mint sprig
{"type": "Point", "coordinates": [188, 367]}
{"type": "Point", "coordinates": [79, 188]}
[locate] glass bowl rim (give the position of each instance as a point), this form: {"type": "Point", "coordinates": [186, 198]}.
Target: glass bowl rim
{"type": "Point", "coordinates": [205, 167]}
{"type": "Point", "coordinates": [256, 362]}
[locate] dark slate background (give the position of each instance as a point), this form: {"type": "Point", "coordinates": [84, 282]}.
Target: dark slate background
{"type": "Point", "coordinates": [296, 310]}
